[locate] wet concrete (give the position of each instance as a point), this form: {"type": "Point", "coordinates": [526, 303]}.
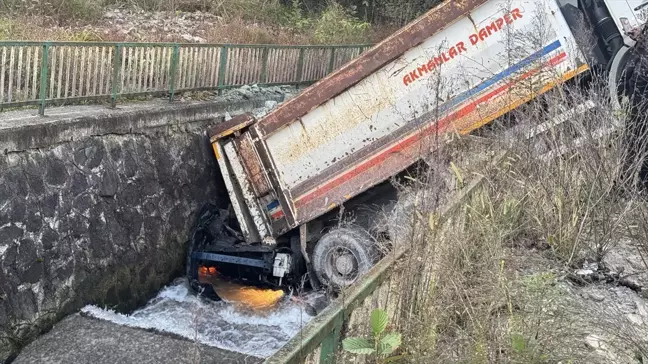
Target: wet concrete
{"type": "Point", "coordinates": [232, 327]}
{"type": "Point", "coordinates": [174, 327]}
{"type": "Point", "coordinates": [80, 340]}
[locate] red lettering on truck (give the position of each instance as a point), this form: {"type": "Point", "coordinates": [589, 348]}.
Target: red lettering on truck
{"type": "Point", "coordinates": [452, 52]}
{"type": "Point", "coordinates": [422, 70]}
{"type": "Point", "coordinates": [483, 34]}
{"type": "Point", "coordinates": [495, 26]}
{"type": "Point", "coordinates": [491, 28]}
{"type": "Point", "coordinates": [446, 56]}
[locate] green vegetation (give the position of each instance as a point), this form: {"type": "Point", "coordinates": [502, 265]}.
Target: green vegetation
{"type": "Point", "coordinates": [381, 345]}
{"type": "Point", "coordinates": [60, 10]}
{"type": "Point", "coordinates": [237, 21]}
{"type": "Point", "coordinates": [497, 279]}
{"type": "Point", "coordinates": [6, 29]}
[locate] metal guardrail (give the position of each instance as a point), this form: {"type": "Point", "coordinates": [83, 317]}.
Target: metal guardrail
{"type": "Point", "coordinates": [324, 331]}
{"type": "Point", "coordinates": [44, 73]}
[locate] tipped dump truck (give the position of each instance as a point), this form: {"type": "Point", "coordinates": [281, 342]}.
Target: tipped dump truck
{"type": "Point", "coordinates": [460, 66]}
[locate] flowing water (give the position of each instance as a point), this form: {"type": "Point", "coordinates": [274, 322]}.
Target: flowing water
{"type": "Point", "coordinates": [176, 310]}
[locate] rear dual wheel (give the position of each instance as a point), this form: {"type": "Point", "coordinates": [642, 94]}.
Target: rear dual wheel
{"type": "Point", "coordinates": [342, 256]}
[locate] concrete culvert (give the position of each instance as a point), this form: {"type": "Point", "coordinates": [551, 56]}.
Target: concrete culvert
{"type": "Point", "coordinates": [342, 256]}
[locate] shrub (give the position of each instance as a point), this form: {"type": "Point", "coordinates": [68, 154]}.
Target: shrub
{"type": "Point", "coordinates": [380, 344]}
{"type": "Point", "coordinates": [7, 29]}
{"type": "Point", "coordinates": [339, 25]}
{"type": "Point", "coordinates": [62, 11]}
{"type": "Point", "coordinates": [85, 36]}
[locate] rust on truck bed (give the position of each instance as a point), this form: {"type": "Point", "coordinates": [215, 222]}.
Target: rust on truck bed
{"type": "Point", "coordinates": [253, 167]}
{"type": "Point", "coordinates": [230, 126]}
{"type": "Point", "coordinates": [391, 48]}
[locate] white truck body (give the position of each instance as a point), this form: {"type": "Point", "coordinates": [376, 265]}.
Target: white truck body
{"type": "Point", "coordinates": [453, 70]}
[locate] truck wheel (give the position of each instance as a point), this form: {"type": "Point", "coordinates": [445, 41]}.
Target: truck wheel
{"type": "Point", "coordinates": [403, 225]}
{"type": "Point", "coordinates": [615, 74]}
{"type": "Point", "coordinates": [342, 256]}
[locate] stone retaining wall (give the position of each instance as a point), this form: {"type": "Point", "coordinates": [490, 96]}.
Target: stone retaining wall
{"type": "Point", "coordinates": [100, 217]}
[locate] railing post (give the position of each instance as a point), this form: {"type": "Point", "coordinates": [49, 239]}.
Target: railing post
{"type": "Point", "coordinates": [174, 69]}
{"type": "Point", "coordinates": [331, 343]}
{"type": "Point", "coordinates": [264, 66]}
{"type": "Point", "coordinates": [222, 68]}
{"type": "Point", "coordinates": [115, 76]}
{"type": "Point", "coordinates": [332, 61]}
{"type": "Point", "coordinates": [43, 78]}
{"type": "Point", "coordinates": [300, 65]}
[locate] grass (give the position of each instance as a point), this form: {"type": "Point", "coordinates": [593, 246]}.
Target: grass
{"type": "Point", "coordinates": [486, 284]}
{"type": "Point", "coordinates": [28, 28]}
{"type": "Point", "coordinates": [468, 293]}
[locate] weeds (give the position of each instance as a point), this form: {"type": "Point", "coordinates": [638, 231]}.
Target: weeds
{"type": "Point", "coordinates": [233, 21]}
{"type": "Point", "coordinates": [564, 192]}
{"type": "Point", "coordinates": [62, 11]}
{"type": "Point", "coordinates": [381, 345]}
{"type": "Point", "coordinates": [337, 25]}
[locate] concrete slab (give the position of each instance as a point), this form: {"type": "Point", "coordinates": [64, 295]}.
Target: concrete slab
{"type": "Point", "coordinates": [80, 340]}
{"type": "Point", "coordinates": [25, 129]}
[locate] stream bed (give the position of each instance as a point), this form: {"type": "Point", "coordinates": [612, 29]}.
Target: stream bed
{"type": "Point", "coordinates": [177, 311]}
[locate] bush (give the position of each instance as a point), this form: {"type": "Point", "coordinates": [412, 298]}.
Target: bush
{"type": "Point", "coordinates": [339, 25]}
{"type": "Point", "coordinates": [85, 36]}
{"type": "Point", "coordinates": [7, 29]}
{"type": "Point", "coordinates": [62, 11]}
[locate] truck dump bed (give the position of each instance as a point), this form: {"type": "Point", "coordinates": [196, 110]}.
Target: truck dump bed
{"type": "Point", "coordinates": [458, 67]}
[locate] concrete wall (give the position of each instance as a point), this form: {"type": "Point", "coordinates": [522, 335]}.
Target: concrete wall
{"type": "Point", "coordinates": [97, 208]}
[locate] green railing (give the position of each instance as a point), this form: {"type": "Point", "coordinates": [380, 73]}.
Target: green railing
{"type": "Point", "coordinates": [45, 73]}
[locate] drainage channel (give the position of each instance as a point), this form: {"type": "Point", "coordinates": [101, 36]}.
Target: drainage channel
{"type": "Point", "coordinates": [175, 310]}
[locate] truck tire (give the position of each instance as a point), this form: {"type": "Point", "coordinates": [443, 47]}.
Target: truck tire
{"type": "Point", "coordinates": [615, 75]}
{"type": "Point", "coordinates": [404, 224]}
{"type": "Point", "coordinates": [342, 256]}
{"type": "Point", "coordinates": [400, 224]}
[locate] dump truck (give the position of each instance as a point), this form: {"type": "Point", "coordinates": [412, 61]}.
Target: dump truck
{"type": "Point", "coordinates": [453, 70]}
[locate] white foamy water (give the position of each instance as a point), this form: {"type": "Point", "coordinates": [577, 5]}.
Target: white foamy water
{"type": "Point", "coordinates": [176, 310]}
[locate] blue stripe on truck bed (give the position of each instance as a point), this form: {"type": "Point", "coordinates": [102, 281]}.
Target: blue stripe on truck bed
{"type": "Point", "coordinates": [500, 76]}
